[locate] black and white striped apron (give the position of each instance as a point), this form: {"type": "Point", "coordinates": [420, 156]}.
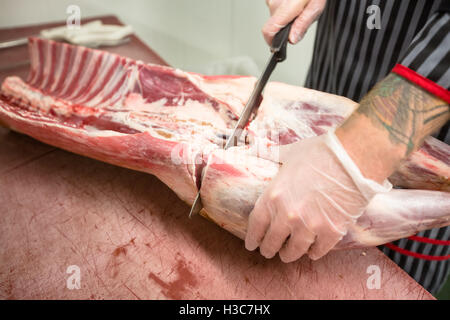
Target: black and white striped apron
{"type": "Point", "coordinates": [354, 49]}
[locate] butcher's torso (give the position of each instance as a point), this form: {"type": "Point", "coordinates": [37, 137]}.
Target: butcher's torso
{"type": "Point", "coordinates": [357, 44]}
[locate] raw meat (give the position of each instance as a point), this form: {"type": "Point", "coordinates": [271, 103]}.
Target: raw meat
{"type": "Point", "coordinates": [232, 184]}
{"type": "Point", "coordinates": [173, 124]}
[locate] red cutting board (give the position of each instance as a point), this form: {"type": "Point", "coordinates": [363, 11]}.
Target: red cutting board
{"type": "Point", "coordinates": [129, 235]}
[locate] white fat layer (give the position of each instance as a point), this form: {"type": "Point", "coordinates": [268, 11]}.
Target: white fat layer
{"type": "Point", "coordinates": [104, 67]}
{"type": "Point", "coordinates": [34, 60]}
{"type": "Point", "coordinates": [190, 111]}
{"type": "Point", "coordinates": [399, 214]}
{"type": "Point", "coordinates": [47, 64]}
{"type": "Point", "coordinates": [233, 91]}
{"type": "Point", "coordinates": [15, 87]}
{"type": "Point", "coordinates": [110, 84]}
{"type": "Point", "coordinates": [338, 104]}
{"type": "Point", "coordinates": [275, 117]}
{"type": "Point", "coordinates": [92, 132]}
{"type": "Point", "coordinates": [60, 67]}
{"type": "Point", "coordinates": [121, 94]}
{"type": "Point", "coordinates": [202, 133]}
{"type": "Point", "coordinates": [72, 71]}
{"type": "Point", "coordinates": [93, 57]}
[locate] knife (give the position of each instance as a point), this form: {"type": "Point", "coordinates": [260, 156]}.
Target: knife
{"type": "Point", "coordinates": [278, 54]}
{"type": "Point", "coordinates": [13, 43]}
{"type": "Point", "coordinates": [91, 34]}
{"type": "Point", "coordinates": [23, 41]}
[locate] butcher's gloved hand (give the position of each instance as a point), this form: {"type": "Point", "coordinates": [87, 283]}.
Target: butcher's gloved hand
{"type": "Point", "coordinates": [306, 209]}
{"type": "Point", "coordinates": [305, 12]}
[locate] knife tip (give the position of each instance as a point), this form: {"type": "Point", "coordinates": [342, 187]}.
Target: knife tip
{"type": "Point", "coordinates": [196, 206]}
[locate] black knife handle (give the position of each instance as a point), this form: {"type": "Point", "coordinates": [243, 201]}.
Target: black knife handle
{"type": "Point", "coordinates": [279, 42]}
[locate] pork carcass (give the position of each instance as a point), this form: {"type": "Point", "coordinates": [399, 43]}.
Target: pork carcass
{"type": "Point", "coordinates": [173, 124]}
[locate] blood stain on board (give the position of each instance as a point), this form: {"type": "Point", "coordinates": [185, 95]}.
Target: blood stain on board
{"type": "Point", "coordinates": [177, 288]}
{"type": "Point", "coordinates": [117, 258]}
{"type": "Point", "coordinates": [119, 250]}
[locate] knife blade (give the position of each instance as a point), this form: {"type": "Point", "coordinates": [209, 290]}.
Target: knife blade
{"type": "Point", "coordinates": [14, 43]}
{"type": "Point", "coordinates": [278, 54]}
{"type": "Point", "coordinates": [23, 41]}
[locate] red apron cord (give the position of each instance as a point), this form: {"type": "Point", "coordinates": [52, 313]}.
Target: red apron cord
{"type": "Point", "coordinates": [429, 240]}
{"type": "Point", "coordinates": [415, 254]}
{"type": "Point", "coordinates": [423, 82]}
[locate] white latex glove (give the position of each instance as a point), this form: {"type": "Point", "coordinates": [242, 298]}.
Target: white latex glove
{"type": "Point", "coordinates": [317, 194]}
{"type": "Point", "coordinates": [91, 34]}
{"type": "Point", "coordinates": [284, 11]}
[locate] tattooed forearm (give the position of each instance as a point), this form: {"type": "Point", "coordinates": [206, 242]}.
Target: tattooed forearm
{"type": "Point", "coordinates": [406, 111]}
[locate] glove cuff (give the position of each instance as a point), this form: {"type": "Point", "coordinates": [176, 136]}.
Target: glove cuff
{"type": "Point", "coordinates": [367, 187]}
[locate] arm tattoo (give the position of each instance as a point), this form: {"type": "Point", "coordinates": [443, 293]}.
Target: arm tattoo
{"type": "Point", "coordinates": [406, 111]}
